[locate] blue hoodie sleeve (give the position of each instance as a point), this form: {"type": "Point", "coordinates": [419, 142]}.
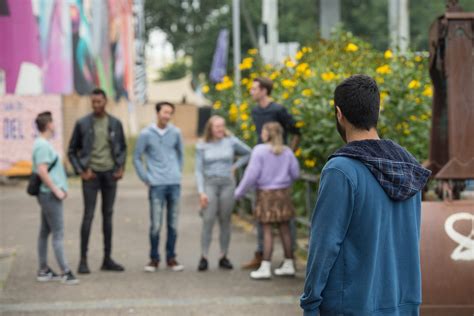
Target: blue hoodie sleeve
{"type": "Point", "coordinates": [137, 158]}
{"type": "Point", "coordinates": [329, 224]}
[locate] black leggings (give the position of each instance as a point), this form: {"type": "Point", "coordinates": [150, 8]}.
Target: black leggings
{"type": "Point", "coordinates": [285, 235]}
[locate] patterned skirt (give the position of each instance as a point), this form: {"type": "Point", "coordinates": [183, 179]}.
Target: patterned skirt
{"type": "Point", "coordinates": [274, 206]}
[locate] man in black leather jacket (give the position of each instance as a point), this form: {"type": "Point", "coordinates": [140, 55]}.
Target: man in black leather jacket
{"type": "Point", "coordinates": [97, 152]}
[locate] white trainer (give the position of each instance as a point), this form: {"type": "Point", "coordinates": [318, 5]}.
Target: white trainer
{"type": "Point", "coordinates": [286, 269]}
{"type": "Point", "coordinates": [264, 272]}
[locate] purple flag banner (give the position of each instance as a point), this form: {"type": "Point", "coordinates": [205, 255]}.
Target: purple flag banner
{"type": "Point", "coordinates": [219, 61]}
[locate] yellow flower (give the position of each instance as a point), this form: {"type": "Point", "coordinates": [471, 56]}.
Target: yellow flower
{"type": "Point", "coordinates": [295, 111]}
{"type": "Point", "coordinates": [285, 95]}
{"type": "Point", "coordinates": [290, 64]}
{"type": "Point", "coordinates": [243, 107]}
{"type": "Point", "coordinates": [274, 75]}
{"type": "Point", "coordinates": [217, 105]}
{"type": "Point", "coordinates": [308, 73]}
{"type": "Point", "coordinates": [246, 135]}
{"type": "Point", "coordinates": [225, 84]}
{"type": "Point", "coordinates": [299, 55]}
{"type": "Point", "coordinates": [205, 89]}
{"type": "Point", "coordinates": [298, 152]}
{"type": "Point", "coordinates": [383, 70]}
{"type": "Point", "coordinates": [351, 47]}
{"type": "Point", "coordinates": [244, 81]}
{"type": "Point", "coordinates": [244, 126]}
{"type": "Point", "coordinates": [299, 124]}
{"type": "Point", "coordinates": [328, 76]}
{"type": "Point", "coordinates": [252, 51]}
{"type": "Point", "coordinates": [414, 84]}
{"type": "Point", "coordinates": [246, 63]}
{"type": "Point", "coordinates": [413, 118]}
{"type": "Point", "coordinates": [331, 102]}
{"type": "Point", "coordinates": [244, 116]}
{"type": "Point", "coordinates": [233, 112]}
{"type": "Point", "coordinates": [287, 83]}
{"type": "Point", "coordinates": [428, 92]}
{"type": "Point", "coordinates": [418, 101]}
{"type": "Point", "coordinates": [306, 49]}
{"type": "Point", "coordinates": [307, 92]}
{"type": "Point", "coordinates": [379, 79]}
{"type": "Point", "coordinates": [310, 163]}
{"type": "Point", "coordinates": [297, 101]}
{"type": "Point", "coordinates": [383, 95]}
{"type": "Point", "coordinates": [253, 128]}
{"type": "Point", "coordinates": [388, 54]}
{"type": "Point", "coordinates": [302, 67]}
{"type": "Point", "coordinates": [418, 59]}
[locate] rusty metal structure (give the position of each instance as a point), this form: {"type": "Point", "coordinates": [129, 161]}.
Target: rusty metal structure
{"type": "Point", "coordinates": [451, 48]}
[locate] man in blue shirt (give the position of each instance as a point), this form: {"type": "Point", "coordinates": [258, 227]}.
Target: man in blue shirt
{"type": "Point", "coordinates": [364, 245]}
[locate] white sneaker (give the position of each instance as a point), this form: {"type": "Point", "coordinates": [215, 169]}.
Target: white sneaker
{"type": "Point", "coordinates": [286, 269]}
{"type": "Point", "coordinates": [175, 266]}
{"type": "Point", "coordinates": [264, 272]}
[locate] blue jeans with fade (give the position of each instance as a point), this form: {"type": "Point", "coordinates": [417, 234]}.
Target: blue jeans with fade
{"type": "Point", "coordinates": [163, 197]}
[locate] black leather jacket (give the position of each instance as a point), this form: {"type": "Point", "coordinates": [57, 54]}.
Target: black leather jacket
{"type": "Point", "coordinates": [82, 140]}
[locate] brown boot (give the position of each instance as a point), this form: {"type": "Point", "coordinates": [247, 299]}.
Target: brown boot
{"type": "Point", "coordinates": [255, 262]}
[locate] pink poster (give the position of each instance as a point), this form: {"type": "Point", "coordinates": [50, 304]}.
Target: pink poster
{"type": "Point", "coordinates": [18, 130]}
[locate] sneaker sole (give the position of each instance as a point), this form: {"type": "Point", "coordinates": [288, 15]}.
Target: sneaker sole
{"type": "Point", "coordinates": [146, 269]}
{"type": "Point", "coordinates": [180, 269]}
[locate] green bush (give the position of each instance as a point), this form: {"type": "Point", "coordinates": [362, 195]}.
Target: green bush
{"type": "Point", "coordinates": [305, 85]}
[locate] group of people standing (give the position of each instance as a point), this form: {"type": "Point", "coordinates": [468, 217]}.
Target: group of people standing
{"type": "Point", "coordinates": [363, 252]}
{"type": "Point", "coordinates": [97, 152]}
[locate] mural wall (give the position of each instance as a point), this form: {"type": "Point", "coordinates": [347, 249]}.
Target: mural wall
{"type": "Point", "coordinates": [66, 46]}
{"type": "Point", "coordinates": [18, 130]}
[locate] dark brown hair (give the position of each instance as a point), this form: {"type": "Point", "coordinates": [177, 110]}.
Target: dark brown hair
{"type": "Point", "coordinates": [265, 83]}
{"type": "Point", "coordinates": [42, 120]}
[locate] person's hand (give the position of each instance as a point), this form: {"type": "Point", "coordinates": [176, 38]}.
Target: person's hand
{"type": "Point", "coordinates": [203, 200]}
{"type": "Point", "coordinates": [59, 194]}
{"type": "Point", "coordinates": [118, 174]}
{"type": "Point", "coordinates": [87, 175]}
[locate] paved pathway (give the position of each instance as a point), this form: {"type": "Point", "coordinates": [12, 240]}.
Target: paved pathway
{"type": "Point", "coordinates": [134, 292]}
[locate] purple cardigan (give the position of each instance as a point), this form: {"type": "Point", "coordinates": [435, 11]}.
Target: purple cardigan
{"type": "Point", "coordinates": [268, 171]}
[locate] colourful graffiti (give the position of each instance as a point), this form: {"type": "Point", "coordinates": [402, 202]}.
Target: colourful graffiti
{"type": "Point", "coordinates": [18, 130]}
{"type": "Point", "coordinates": [62, 46]}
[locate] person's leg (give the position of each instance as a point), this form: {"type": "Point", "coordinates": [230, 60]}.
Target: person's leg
{"type": "Point", "coordinates": [89, 193]}
{"type": "Point", "coordinates": [293, 234]}
{"type": "Point", "coordinates": [267, 242]}
{"type": "Point", "coordinates": [172, 207]}
{"type": "Point", "coordinates": [257, 259]}
{"type": "Point", "coordinates": [209, 217]}
{"type": "Point", "coordinates": [226, 205]}
{"type": "Point", "coordinates": [43, 235]}
{"type": "Point", "coordinates": [108, 187]}
{"type": "Point", "coordinates": [157, 205]}
{"type": "Point", "coordinates": [285, 235]}
{"type": "Point", "coordinates": [55, 217]}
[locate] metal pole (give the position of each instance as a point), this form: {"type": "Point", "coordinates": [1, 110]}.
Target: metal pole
{"type": "Point", "coordinates": [236, 47]}
{"type": "Point", "coordinates": [329, 16]}
{"type": "Point", "coordinates": [398, 25]}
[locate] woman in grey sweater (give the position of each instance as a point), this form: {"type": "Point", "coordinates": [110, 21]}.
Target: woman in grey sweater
{"type": "Point", "coordinates": [215, 166]}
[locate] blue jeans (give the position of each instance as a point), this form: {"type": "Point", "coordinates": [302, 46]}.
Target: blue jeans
{"type": "Point", "coordinates": [161, 196]}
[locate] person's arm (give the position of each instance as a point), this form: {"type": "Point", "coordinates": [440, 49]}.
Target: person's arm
{"type": "Point", "coordinates": [46, 179]}
{"type": "Point", "coordinates": [329, 224]}
{"type": "Point", "coordinates": [199, 168]}
{"type": "Point", "coordinates": [251, 174]}
{"type": "Point", "coordinates": [180, 151]}
{"type": "Point", "coordinates": [294, 167]}
{"type": "Point", "coordinates": [289, 124]}
{"type": "Point", "coordinates": [122, 158]}
{"type": "Point", "coordinates": [241, 149]}
{"type": "Point", "coordinates": [75, 145]}
{"type": "Point", "coordinates": [140, 148]}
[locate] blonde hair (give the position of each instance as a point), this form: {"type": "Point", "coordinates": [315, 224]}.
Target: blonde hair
{"type": "Point", "coordinates": [208, 137]}
{"type": "Point", "coordinates": [275, 137]}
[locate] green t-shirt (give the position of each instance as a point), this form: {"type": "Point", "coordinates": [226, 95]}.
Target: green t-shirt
{"type": "Point", "coordinates": [44, 153]}
{"type": "Point", "coordinates": [101, 156]}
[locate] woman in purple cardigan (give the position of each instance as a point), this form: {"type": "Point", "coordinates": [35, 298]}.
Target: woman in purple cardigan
{"type": "Point", "coordinates": [272, 169]}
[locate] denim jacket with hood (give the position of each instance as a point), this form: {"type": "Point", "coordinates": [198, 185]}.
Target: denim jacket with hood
{"type": "Point", "coordinates": [364, 245]}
